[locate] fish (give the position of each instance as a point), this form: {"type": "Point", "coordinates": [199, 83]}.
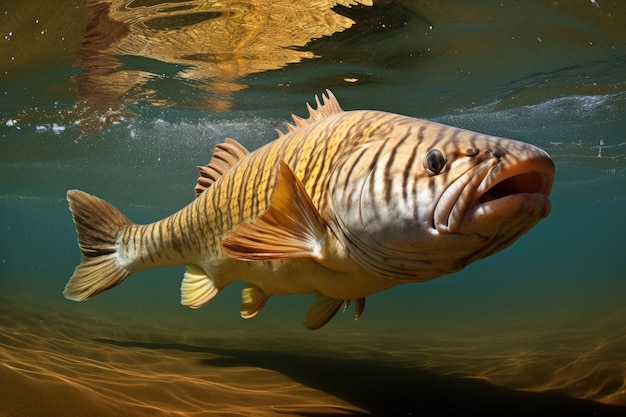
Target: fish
{"type": "Point", "coordinates": [342, 205]}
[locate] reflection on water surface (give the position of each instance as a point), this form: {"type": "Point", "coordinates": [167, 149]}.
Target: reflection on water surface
{"type": "Point", "coordinates": [213, 44]}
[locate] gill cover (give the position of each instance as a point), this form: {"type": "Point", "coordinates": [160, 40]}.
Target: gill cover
{"type": "Point", "coordinates": [383, 205]}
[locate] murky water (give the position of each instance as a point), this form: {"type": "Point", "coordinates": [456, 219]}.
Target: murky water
{"type": "Point", "coordinates": [125, 99]}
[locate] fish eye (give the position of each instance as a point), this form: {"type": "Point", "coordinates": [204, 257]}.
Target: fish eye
{"type": "Point", "coordinates": [434, 161]}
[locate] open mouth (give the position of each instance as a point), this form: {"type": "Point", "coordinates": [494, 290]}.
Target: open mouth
{"type": "Point", "coordinates": [496, 189]}
{"type": "Point", "coordinates": [533, 182]}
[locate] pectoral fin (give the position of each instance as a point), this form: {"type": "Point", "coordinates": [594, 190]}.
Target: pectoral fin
{"type": "Point", "coordinates": [322, 310]}
{"type": "Point", "coordinates": [253, 299]}
{"type": "Point", "coordinates": [291, 227]}
{"type": "Point", "coordinates": [197, 288]}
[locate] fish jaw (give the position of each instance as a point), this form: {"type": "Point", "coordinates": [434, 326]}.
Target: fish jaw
{"type": "Point", "coordinates": [496, 191]}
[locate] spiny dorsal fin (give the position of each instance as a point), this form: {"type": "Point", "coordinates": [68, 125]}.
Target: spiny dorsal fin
{"type": "Point", "coordinates": [291, 227]}
{"type": "Point", "coordinates": [327, 107]}
{"type": "Point", "coordinates": [253, 299]}
{"type": "Point", "coordinates": [225, 156]}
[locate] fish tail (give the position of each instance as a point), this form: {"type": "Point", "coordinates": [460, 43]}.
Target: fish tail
{"type": "Point", "coordinates": [99, 226]}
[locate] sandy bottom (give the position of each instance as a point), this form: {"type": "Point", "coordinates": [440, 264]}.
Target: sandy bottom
{"type": "Point", "coordinates": [55, 364]}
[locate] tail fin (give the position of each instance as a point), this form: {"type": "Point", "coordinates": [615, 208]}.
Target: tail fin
{"type": "Point", "coordinates": [98, 225]}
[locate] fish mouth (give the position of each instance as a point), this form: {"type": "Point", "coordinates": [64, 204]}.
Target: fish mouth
{"type": "Point", "coordinates": [495, 191]}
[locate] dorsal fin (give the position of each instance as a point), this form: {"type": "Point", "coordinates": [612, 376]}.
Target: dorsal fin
{"type": "Point", "coordinates": [327, 107]}
{"type": "Point", "coordinates": [225, 155]}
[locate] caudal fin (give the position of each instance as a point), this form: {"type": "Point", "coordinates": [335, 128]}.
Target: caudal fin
{"type": "Point", "coordinates": [98, 225]}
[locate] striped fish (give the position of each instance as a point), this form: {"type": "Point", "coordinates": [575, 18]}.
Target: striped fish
{"type": "Point", "coordinates": [343, 205]}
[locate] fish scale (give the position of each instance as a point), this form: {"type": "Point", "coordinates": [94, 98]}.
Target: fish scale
{"type": "Point", "coordinates": [342, 205]}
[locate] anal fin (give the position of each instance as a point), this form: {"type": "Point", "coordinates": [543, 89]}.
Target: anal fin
{"type": "Point", "coordinates": [197, 288]}
{"type": "Point", "coordinates": [253, 299]}
{"type": "Point", "coordinates": [323, 309]}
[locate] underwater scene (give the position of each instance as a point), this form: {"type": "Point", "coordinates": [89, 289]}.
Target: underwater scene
{"type": "Point", "coordinates": [124, 99]}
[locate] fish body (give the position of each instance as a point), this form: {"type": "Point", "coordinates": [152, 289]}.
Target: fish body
{"type": "Point", "coordinates": [344, 205]}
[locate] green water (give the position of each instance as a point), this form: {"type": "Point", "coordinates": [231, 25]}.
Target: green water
{"type": "Point", "coordinates": [549, 73]}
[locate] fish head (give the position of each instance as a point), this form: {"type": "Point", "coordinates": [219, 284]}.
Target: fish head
{"type": "Point", "coordinates": [418, 205]}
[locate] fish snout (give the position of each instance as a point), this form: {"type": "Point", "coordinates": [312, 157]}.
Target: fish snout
{"type": "Point", "coordinates": [508, 179]}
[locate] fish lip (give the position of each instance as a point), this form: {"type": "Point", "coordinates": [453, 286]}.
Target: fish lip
{"type": "Point", "coordinates": [494, 186]}
{"type": "Point", "coordinates": [531, 176]}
